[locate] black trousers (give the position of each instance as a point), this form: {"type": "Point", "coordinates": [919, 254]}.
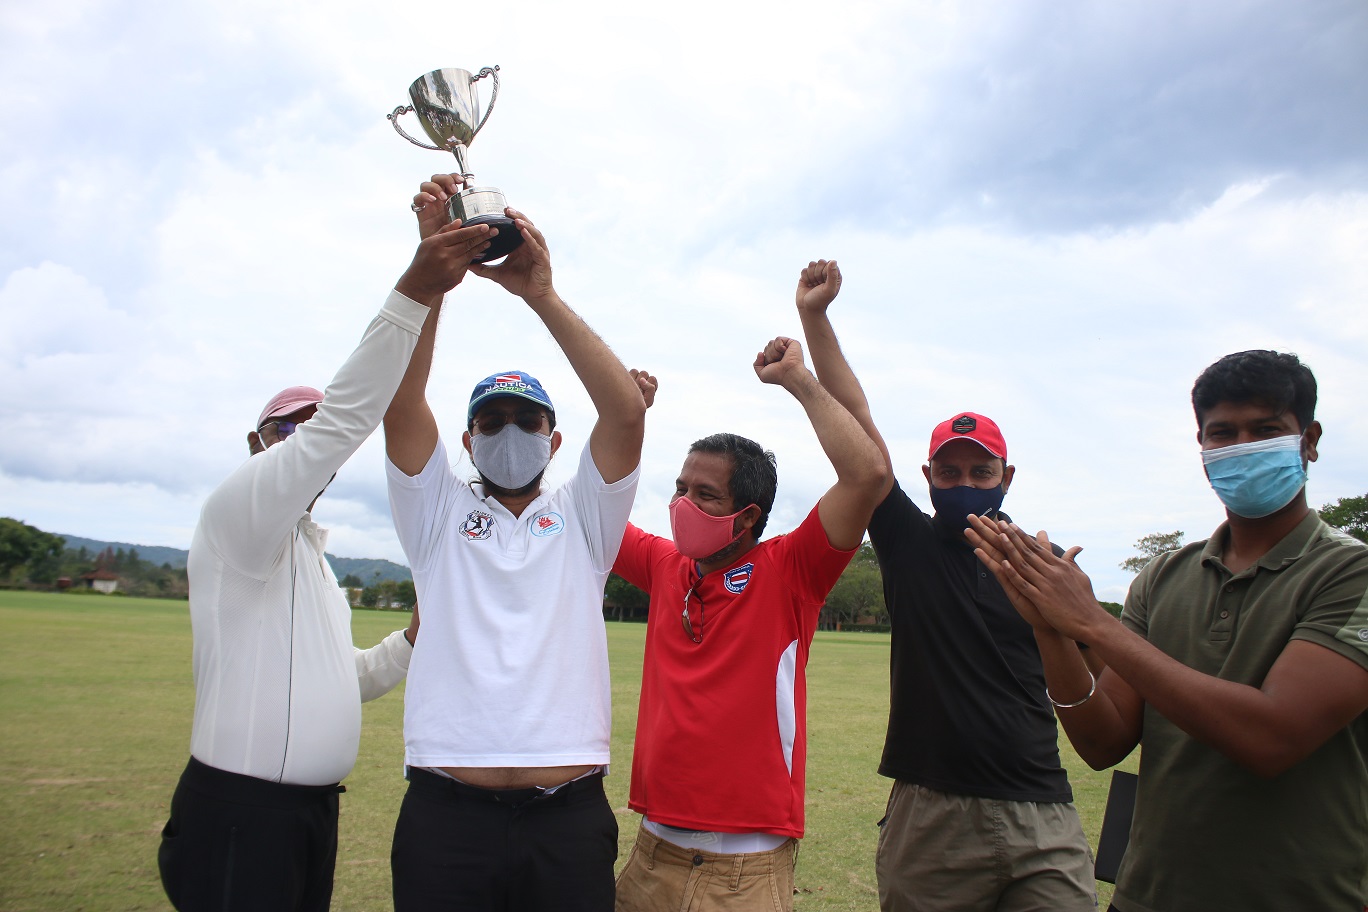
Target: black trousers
{"type": "Point", "coordinates": [239, 844]}
{"type": "Point", "coordinates": [519, 850]}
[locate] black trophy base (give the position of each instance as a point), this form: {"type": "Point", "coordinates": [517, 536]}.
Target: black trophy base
{"type": "Point", "coordinates": [502, 244]}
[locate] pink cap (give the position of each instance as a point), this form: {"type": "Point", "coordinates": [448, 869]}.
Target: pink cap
{"type": "Point", "coordinates": [288, 401]}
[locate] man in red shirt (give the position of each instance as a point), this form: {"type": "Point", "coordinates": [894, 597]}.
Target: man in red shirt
{"type": "Point", "coordinates": [718, 768]}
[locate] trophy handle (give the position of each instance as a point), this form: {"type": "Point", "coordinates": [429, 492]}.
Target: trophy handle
{"type": "Point", "coordinates": [493, 96]}
{"type": "Point", "coordinates": [393, 118]}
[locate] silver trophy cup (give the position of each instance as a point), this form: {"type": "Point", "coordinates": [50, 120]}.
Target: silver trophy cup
{"type": "Point", "coordinates": [447, 103]}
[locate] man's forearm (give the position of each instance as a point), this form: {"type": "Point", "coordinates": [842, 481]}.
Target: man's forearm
{"type": "Point", "coordinates": [862, 476]}
{"type": "Point", "coordinates": [604, 377]}
{"type": "Point", "coordinates": [616, 439]}
{"type": "Point", "coordinates": [410, 427]}
{"type": "Point", "coordinates": [1242, 721]}
{"type": "Point", "coordinates": [380, 668]}
{"type": "Point", "coordinates": [836, 375]}
{"type": "Point", "coordinates": [852, 453]}
{"type": "Point", "coordinates": [413, 387]}
{"type": "Point", "coordinates": [830, 364]}
{"type": "Point", "coordinates": [1102, 730]}
{"type": "Point", "coordinates": [245, 517]}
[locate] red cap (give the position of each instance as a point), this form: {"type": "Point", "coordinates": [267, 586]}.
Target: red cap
{"type": "Point", "coordinates": [981, 430]}
{"type": "Point", "coordinates": [288, 401]}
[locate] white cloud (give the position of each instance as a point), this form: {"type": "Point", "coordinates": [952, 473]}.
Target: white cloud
{"type": "Point", "coordinates": [1055, 213]}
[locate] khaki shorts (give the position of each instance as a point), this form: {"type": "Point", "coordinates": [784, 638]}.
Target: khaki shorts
{"type": "Point", "coordinates": [941, 852]}
{"type": "Point", "coordinates": [661, 877]}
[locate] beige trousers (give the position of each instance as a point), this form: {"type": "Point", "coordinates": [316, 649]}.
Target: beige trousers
{"type": "Point", "coordinates": [661, 877]}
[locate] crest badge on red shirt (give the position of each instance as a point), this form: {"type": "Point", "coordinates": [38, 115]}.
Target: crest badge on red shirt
{"type": "Point", "coordinates": [736, 579]}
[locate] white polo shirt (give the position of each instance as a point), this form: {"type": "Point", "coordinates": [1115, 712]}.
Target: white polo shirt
{"type": "Point", "coordinates": [512, 666]}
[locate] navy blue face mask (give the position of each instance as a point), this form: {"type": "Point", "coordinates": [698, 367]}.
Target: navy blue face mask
{"type": "Point", "coordinates": [954, 504]}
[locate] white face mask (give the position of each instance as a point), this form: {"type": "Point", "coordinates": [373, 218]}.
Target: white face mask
{"type": "Point", "coordinates": [511, 458]}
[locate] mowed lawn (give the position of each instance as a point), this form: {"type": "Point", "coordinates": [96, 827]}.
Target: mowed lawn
{"type": "Point", "coordinates": [95, 707]}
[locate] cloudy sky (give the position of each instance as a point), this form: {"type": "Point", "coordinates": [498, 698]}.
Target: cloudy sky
{"type": "Point", "coordinates": [1053, 212]}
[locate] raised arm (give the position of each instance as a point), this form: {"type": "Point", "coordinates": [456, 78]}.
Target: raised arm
{"type": "Point", "coordinates": [862, 476]}
{"type": "Point", "coordinates": [246, 516]}
{"type": "Point", "coordinates": [615, 442]}
{"type": "Point", "coordinates": [1310, 693]}
{"type": "Point", "coordinates": [410, 427]}
{"type": "Point", "coordinates": [818, 285]}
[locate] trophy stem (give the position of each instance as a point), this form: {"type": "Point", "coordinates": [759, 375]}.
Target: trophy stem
{"type": "Point", "coordinates": [460, 150]}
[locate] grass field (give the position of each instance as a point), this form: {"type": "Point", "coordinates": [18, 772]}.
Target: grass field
{"type": "Point", "coordinates": [95, 707]}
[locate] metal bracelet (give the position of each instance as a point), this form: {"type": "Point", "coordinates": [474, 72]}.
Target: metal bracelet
{"type": "Point", "coordinates": [1091, 690]}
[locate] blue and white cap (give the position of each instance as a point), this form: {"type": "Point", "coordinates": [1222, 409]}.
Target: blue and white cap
{"type": "Point", "coordinates": [510, 383]}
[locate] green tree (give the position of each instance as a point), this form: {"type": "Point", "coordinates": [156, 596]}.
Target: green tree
{"type": "Point", "coordinates": [389, 594]}
{"type": "Point", "coordinates": [24, 545]}
{"type": "Point", "coordinates": [1150, 547]}
{"type": "Point", "coordinates": [859, 591]}
{"type": "Point", "coordinates": [352, 581]}
{"type": "Point", "coordinates": [1349, 514]}
{"type": "Point", "coordinates": [625, 598]}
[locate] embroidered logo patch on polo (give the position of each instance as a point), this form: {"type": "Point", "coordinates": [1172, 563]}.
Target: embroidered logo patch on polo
{"type": "Point", "coordinates": [548, 523]}
{"type": "Point", "coordinates": [1363, 634]}
{"type": "Point", "coordinates": [477, 526]}
{"type": "Point", "coordinates": [736, 579]}
{"type": "Point", "coordinates": [964, 424]}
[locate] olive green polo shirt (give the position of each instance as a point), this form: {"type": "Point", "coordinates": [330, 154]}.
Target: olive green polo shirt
{"type": "Point", "coordinates": [1208, 834]}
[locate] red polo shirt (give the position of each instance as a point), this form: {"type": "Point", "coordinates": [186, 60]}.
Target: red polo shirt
{"type": "Point", "coordinates": [721, 740]}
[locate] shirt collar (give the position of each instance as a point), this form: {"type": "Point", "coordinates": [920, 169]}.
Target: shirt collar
{"type": "Point", "coordinates": [1292, 546]}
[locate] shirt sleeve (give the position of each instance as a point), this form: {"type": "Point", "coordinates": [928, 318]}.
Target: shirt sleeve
{"type": "Point", "coordinates": [1135, 611]}
{"type": "Point", "coordinates": [1338, 616]}
{"type": "Point", "coordinates": [633, 561]}
{"type": "Point", "coordinates": [422, 505]}
{"type": "Point", "coordinates": [809, 561]}
{"type": "Point", "coordinates": [603, 508]}
{"type": "Point", "coordinates": [248, 516]}
{"type": "Point", "coordinates": [380, 668]}
{"type": "Point", "coordinates": [898, 521]}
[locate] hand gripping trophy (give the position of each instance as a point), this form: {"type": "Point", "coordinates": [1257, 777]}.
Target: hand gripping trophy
{"type": "Point", "coordinates": [446, 102]}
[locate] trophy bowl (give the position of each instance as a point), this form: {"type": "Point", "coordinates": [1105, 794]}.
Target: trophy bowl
{"type": "Point", "coordinates": [447, 104]}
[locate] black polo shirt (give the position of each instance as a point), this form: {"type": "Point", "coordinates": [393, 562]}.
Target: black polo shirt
{"type": "Point", "coordinates": [968, 713]}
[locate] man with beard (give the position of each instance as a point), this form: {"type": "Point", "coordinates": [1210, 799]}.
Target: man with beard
{"type": "Point", "coordinates": [507, 716]}
{"type": "Point", "coordinates": [721, 743]}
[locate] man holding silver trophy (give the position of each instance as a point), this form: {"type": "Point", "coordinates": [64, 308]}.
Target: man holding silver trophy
{"type": "Point", "coordinates": [507, 713]}
{"type": "Point", "coordinates": [278, 684]}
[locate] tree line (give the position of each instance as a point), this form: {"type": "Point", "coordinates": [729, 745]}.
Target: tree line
{"type": "Point", "coordinates": [30, 556]}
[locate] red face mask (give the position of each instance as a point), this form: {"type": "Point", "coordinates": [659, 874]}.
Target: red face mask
{"type": "Point", "coordinates": [698, 534]}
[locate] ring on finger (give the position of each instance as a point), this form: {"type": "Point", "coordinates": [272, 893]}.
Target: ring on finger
{"type": "Point", "coordinates": [418, 207]}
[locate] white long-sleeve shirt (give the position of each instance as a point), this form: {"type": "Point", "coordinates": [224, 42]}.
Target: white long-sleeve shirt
{"type": "Point", "coordinates": [278, 683]}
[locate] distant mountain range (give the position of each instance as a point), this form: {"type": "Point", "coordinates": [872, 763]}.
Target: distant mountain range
{"type": "Point", "coordinates": [368, 569]}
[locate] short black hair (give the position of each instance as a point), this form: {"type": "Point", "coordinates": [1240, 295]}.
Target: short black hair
{"type": "Point", "coordinates": [1276, 379]}
{"type": "Point", "coordinates": [755, 472]}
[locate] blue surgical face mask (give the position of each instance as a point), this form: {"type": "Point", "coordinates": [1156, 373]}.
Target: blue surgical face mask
{"type": "Point", "coordinates": [952, 505]}
{"type": "Point", "coordinates": [1257, 479]}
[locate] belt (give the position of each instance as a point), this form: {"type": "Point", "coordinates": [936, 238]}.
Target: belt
{"type": "Point", "coordinates": [432, 782]}
{"type": "Point", "coordinates": [242, 789]}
